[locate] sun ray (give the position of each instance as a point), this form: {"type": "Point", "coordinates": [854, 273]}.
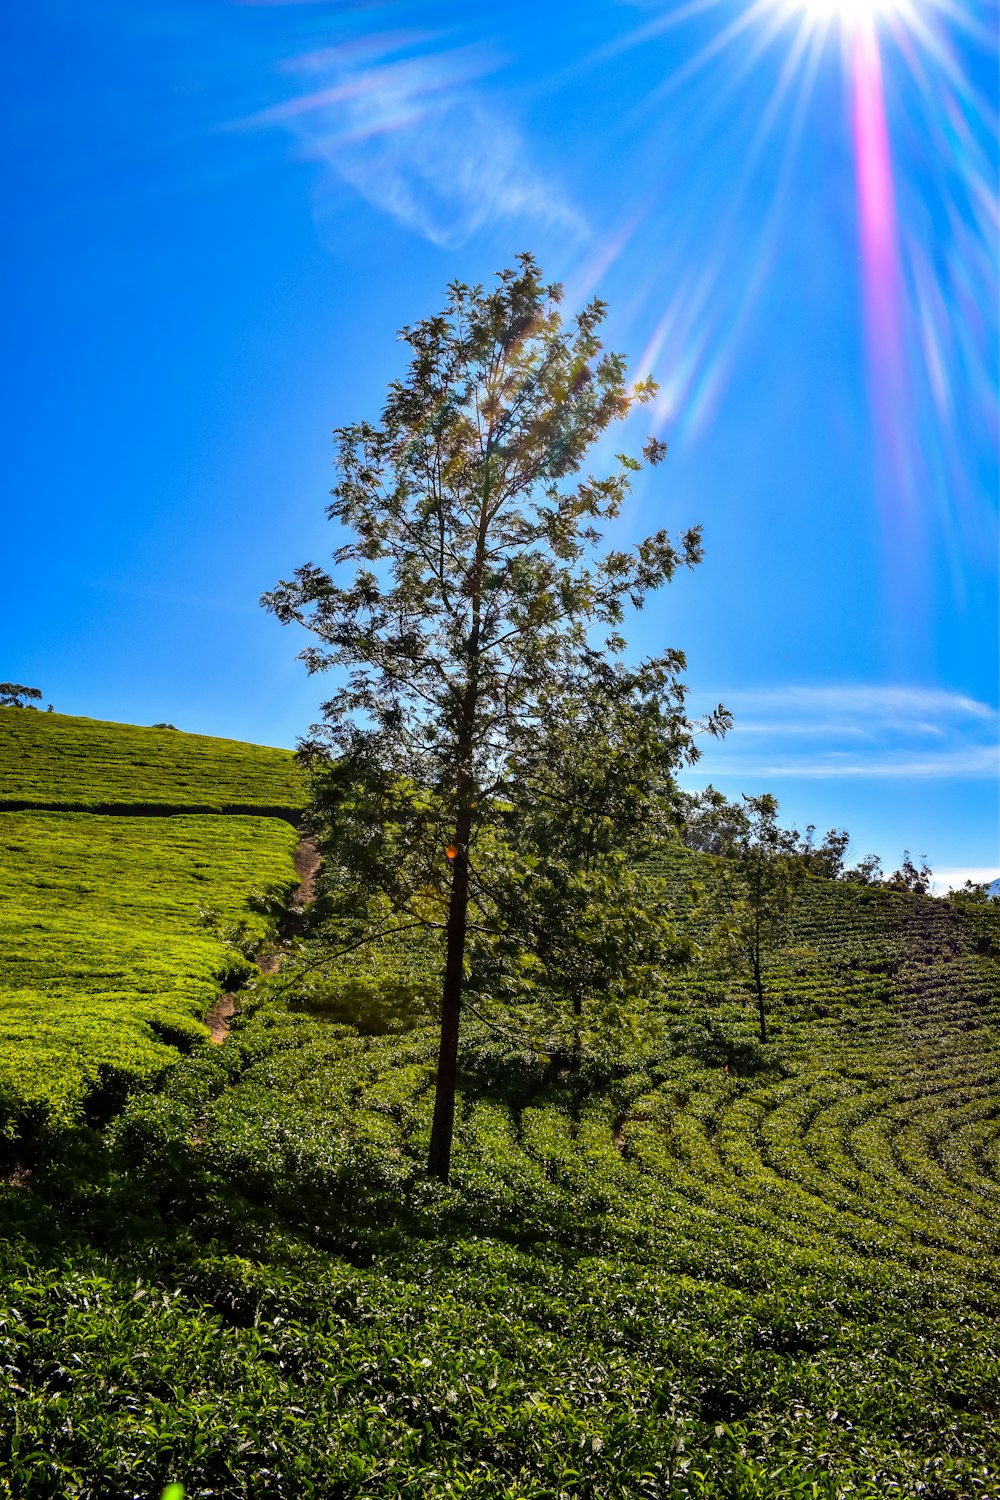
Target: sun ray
{"type": "Point", "coordinates": [742, 23]}
{"type": "Point", "coordinates": [805, 37]}
{"type": "Point", "coordinates": [919, 130]}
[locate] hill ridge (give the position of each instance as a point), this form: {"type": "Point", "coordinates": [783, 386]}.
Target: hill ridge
{"type": "Point", "coordinates": [72, 762]}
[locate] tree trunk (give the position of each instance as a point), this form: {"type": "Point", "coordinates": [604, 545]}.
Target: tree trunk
{"type": "Point", "coordinates": [759, 986]}
{"type": "Point", "coordinates": [577, 1031]}
{"type": "Point", "coordinates": [758, 977]}
{"type": "Point", "coordinates": [443, 1126]}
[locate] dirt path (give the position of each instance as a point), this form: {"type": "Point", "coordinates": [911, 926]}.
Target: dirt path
{"type": "Point", "coordinates": [219, 1017]}
{"type": "Point", "coordinates": [307, 861]}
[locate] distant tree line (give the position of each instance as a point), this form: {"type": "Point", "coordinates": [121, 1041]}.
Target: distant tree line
{"type": "Point", "coordinates": [711, 824]}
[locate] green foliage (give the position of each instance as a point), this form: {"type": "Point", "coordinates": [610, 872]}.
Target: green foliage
{"type": "Point", "coordinates": [390, 986]}
{"type": "Point", "coordinates": [911, 878]}
{"type": "Point", "coordinates": [55, 760]}
{"type": "Point", "coordinates": [106, 968]}
{"type": "Point", "coordinates": [975, 893]}
{"type": "Point", "coordinates": [694, 1265]}
{"type": "Point", "coordinates": [711, 824]}
{"type": "Point", "coordinates": [16, 695]}
{"type": "Point", "coordinates": [762, 870]}
{"type": "Point", "coordinates": [566, 910]}
{"type": "Point", "coordinates": [652, 1277]}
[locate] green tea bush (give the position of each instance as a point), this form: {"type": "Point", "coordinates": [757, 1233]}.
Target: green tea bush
{"type": "Point", "coordinates": [386, 987]}
{"type": "Point", "coordinates": [107, 971]}
{"type": "Point", "coordinates": [693, 1267]}
{"type": "Point", "coordinates": [57, 760]}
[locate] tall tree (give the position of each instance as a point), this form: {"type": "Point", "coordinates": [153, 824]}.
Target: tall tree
{"type": "Point", "coordinates": [472, 585]}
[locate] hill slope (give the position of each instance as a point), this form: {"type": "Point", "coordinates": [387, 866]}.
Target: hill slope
{"type": "Point", "coordinates": [58, 761]}
{"type": "Point", "coordinates": [107, 966]}
{"type": "Point", "coordinates": [696, 1269]}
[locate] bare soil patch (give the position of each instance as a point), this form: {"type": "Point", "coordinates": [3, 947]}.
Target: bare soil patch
{"type": "Point", "coordinates": [219, 1017]}
{"type": "Point", "coordinates": [307, 861]}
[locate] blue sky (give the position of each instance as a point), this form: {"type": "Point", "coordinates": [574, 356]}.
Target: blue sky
{"type": "Point", "coordinates": [221, 212]}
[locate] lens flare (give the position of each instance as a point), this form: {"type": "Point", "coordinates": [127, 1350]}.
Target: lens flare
{"type": "Point", "coordinates": [753, 95]}
{"type": "Point", "coordinates": [879, 245]}
{"type": "Point", "coordinates": [849, 13]}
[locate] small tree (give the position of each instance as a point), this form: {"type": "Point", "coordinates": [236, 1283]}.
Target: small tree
{"type": "Point", "coordinates": [975, 893]}
{"type": "Point", "coordinates": [911, 878]}
{"type": "Point", "coordinates": [761, 876]}
{"type": "Point", "coordinates": [16, 695]}
{"type": "Point", "coordinates": [867, 871]}
{"type": "Point", "coordinates": [710, 823]}
{"type": "Point", "coordinates": [579, 923]}
{"type": "Point", "coordinates": [472, 586]}
{"type": "Point", "coordinates": [826, 859]}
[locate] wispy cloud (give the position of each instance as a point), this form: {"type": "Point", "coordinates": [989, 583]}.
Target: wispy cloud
{"type": "Point", "coordinates": [416, 138]}
{"type": "Point", "coordinates": [856, 731]}
{"type": "Point", "coordinates": [964, 764]}
{"type": "Point", "coordinates": [856, 700]}
{"type": "Point", "coordinates": [951, 878]}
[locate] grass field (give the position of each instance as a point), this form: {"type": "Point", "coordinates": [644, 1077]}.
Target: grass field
{"type": "Point", "coordinates": [106, 967]}
{"type": "Point", "coordinates": [55, 760]}
{"type": "Point", "coordinates": [698, 1268]}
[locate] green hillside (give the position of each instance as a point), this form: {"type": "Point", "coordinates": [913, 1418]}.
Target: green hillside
{"type": "Point", "coordinates": [106, 966]}
{"type": "Point", "coordinates": [57, 760]}
{"type": "Point", "coordinates": [697, 1267]}
{"type": "Point", "coordinates": [700, 1267]}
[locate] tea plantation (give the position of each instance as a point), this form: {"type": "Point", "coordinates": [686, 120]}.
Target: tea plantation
{"type": "Point", "coordinates": [58, 761]}
{"type": "Point", "coordinates": [697, 1267]}
{"type": "Point", "coordinates": [107, 967]}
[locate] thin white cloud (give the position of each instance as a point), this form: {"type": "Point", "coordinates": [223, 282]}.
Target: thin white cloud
{"type": "Point", "coordinates": [965, 763]}
{"type": "Point", "coordinates": [414, 137]}
{"type": "Point", "coordinates": [829, 727]}
{"type": "Point", "coordinates": [856, 731]}
{"type": "Point", "coordinates": [863, 701]}
{"type": "Point", "coordinates": [952, 878]}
